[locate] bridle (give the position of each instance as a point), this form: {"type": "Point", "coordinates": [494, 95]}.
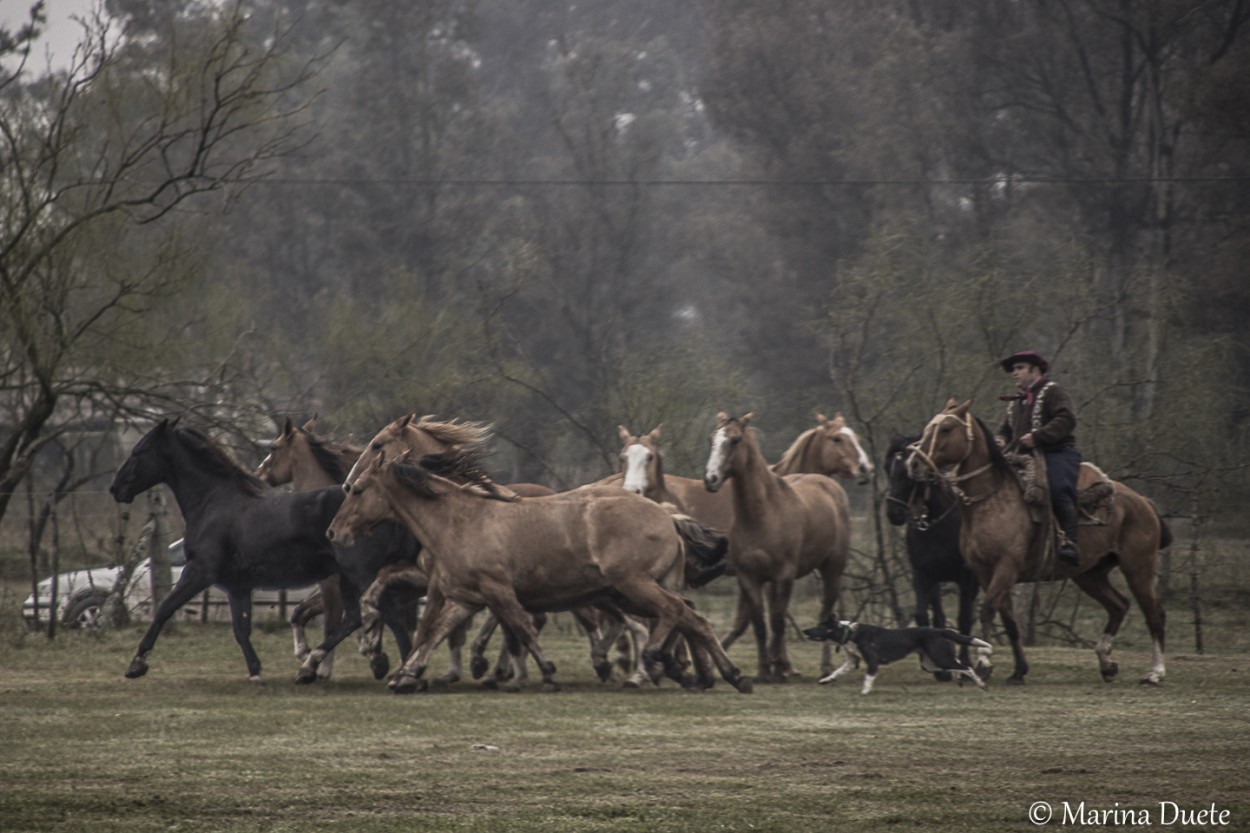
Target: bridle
{"type": "Point", "coordinates": [920, 521]}
{"type": "Point", "coordinates": [955, 477]}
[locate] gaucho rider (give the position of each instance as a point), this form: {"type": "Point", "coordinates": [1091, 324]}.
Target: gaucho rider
{"type": "Point", "coordinates": [1040, 416]}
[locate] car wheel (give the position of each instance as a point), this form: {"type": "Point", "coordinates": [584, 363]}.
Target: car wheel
{"type": "Point", "coordinates": [85, 612]}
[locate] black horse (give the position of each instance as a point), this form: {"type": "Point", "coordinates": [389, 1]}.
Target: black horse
{"type": "Point", "coordinates": [240, 534]}
{"type": "Point", "coordinates": [932, 538]}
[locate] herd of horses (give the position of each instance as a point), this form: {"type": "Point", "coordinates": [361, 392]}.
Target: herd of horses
{"type": "Point", "coordinates": [409, 532]}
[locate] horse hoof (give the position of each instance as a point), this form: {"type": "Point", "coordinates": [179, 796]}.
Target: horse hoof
{"type": "Point", "coordinates": [1151, 680]}
{"type": "Point", "coordinates": [1015, 680]}
{"type": "Point", "coordinates": [943, 676]}
{"type": "Point", "coordinates": [255, 678]}
{"type": "Point", "coordinates": [137, 669]}
{"type": "Point", "coordinates": [604, 671]}
{"type": "Point", "coordinates": [984, 671]}
{"type": "Point", "coordinates": [305, 675]}
{"type": "Point", "coordinates": [1110, 671]}
{"type": "Point", "coordinates": [379, 664]}
{"type": "Point", "coordinates": [478, 666]}
{"type": "Point", "coordinates": [449, 678]}
{"type": "Point", "coordinates": [744, 685]}
{"type": "Point", "coordinates": [405, 684]}
{"type": "Point", "coordinates": [551, 688]}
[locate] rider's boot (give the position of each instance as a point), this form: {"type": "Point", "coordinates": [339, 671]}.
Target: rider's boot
{"type": "Point", "coordinates": [1066, 515]}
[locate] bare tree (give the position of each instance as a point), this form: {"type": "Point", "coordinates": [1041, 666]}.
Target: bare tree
{"type": "Point", "coordinates": [97, 163]}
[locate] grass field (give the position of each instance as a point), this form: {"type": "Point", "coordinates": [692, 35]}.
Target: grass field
{"type": "Point", "coordinates": [194, 746]}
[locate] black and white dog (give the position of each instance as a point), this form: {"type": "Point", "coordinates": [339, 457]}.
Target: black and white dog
{"type": "Point", "coordinates": [878, 646]}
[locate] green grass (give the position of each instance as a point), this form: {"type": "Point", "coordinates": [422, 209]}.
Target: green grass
{"type": "Point", "coordinates": [194, 746]}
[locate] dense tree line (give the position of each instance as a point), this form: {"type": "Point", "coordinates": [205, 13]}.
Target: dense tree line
{"type": "Point", "coordinates": [559, 219]}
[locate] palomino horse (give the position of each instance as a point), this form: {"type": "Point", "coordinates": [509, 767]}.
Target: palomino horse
{"type": "Point", "coordinates": [931, 517]}
{"type": "Point", "coordinates": [239, 535]}
{"type": "Point", "coordinates": [783, 529]}
{"type": "Point", "coordinates": [830, 448]}
{"type": "Point", "coordinates": [308, 461]}
{"type": "Point", "coordinates": [997, 532]}
{"type": "Point", "coordinates": [493, 550]}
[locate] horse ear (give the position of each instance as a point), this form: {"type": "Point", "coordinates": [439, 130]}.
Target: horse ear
{"type": "Point", "coordinates": [288, 428]}
{"type": "Point", "coordinates": [746, 419]}
{"type": "Point", "coordinates": [311, 424]}
{"type": "Point", "coordinates": [951, 403]}
{"type": "Point", "coordinates": [821, 418]}
{"type": "Point", "coordinates": [624, 432]}
{"type": "Point", "coordinates": [721, 418]}
{"type": "Point", "coordinates": [655, 432]}
{"type": "Point", "coordinates": [406, 419]}
{"type": "Point", "coordinates": [964, 406]}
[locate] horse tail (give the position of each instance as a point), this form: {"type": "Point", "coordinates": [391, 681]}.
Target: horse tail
{"type": "Point", "coordinates": [705, 548]}
{"type": "Point", "coordinates": [1165, 531]}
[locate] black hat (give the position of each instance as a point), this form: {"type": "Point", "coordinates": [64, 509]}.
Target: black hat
{"type": "Point", "coordinates": [1030, 356]}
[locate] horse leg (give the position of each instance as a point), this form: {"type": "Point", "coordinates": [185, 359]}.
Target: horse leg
{"type": "Point", "coordinates": [591, 621]}
{"type": "Point", "coordinates": [1097, 585]}
{"type": "Point", "coordinates": [998, 597]}
{"type": "Point", "coordinates": [1143, 585]}
{"type": "Point", "coordinates": [742, 619]}
{"type": "Point", "coordinates": [241, 623]}
{"type": "Point", "coordinates": [350, 621]}
{"type": "Point", "coordinates": [305, 612]}
{"type": "Point", "coordinates": [929, 598]}
{"type": "Point", "coordinates": [968, 589]}
{"type": "Point", "coordinates": [477, 651]}
{"type": "Point", "coordinates": [705, 647]}
{"type": "Point", "coordinates": [332, 599]}
{"type": "Point", "coordinates": [189, 585]}
{"type": "Point", "coordinates": [507, 607]}
{"type": "Point", "coordinates": [455, 654]}
{"type": "Point", "coordinates": [830, 590]}
{"type": "Point", "coordinates": [779, 593]}
{"type": "Point", "coordinates": [985, 665]}
{"type": "Point", "coordinates": [639, 635]}
{"type": "Point", "coordinates": [441, 616]}
{"type": "Point", "coordinates": [753, 598]}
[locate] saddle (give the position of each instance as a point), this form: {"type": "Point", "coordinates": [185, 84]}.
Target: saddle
{"type": "Point", "coordinates": [1094, 492]}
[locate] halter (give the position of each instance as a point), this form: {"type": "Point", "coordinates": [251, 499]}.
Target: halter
{"type": "Point", "coordinates": [955, 477]}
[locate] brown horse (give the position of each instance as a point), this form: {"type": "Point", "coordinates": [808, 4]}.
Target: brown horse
{"type": "Point", "coordinates": [830, 448]}
{"type": "Point", "coordinates": [303, 452]}
{"type": "Point", "coordinates": [300, 458]}
{"type": "Point", "coordinates": [410, 436]}
{"type": "Point", "coordinates": [491, 549]}
{"type": "Point", "coordinates": [997, 535]}
{"type": "Point", "coordinates": [783, 529]}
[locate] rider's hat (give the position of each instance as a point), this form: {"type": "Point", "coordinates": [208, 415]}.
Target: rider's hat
{"type": "Point", "coordinates": [1030, 356]}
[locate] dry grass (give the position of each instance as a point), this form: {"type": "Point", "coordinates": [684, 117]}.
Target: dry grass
{"type": "Point", "coordinates": [194, 746]}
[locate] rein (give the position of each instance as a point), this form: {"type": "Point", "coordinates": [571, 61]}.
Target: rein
{"type": "Point", "coordinates": [955, 477]}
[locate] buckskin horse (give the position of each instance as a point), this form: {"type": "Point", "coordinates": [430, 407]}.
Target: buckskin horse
{"type": "Point", "coordinates": [997, 532]}
{"type": "Point", "coordinates": [495, 550]}
{"type": "Point", "coordinates": [783, 529]}
{"type": "Point", "coordinates": [931, 520]}
{"type": "Point", "coordinates": [240, 534]}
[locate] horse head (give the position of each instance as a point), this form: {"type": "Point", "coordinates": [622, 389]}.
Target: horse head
{"type": "Point", "coordinates": [146, 466]}
{"type": "Point", "coordinates": [640, 460]}
{"type": "Point", "coordinates": [419, 437]}
{"type": "Point", "coordinates": [840, 450]}
{"type": "Point", "coordinates": [948, 440]}
{"type": "Point", "coordinates": [278, 467]}
{"type": "Point", "coordinates": [902, 489]}
{"type": "Point", "coordinates": [727, 438]}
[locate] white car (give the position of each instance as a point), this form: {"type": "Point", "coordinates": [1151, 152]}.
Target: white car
{"type": "Point", "coordinates": [81, 593]}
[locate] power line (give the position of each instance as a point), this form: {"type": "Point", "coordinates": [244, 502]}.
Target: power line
{"type": "Point", "coordinates": [713, 183]}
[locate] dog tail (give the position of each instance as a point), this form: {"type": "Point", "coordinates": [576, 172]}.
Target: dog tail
{"type": "Point", "coordinates": [955, 636]}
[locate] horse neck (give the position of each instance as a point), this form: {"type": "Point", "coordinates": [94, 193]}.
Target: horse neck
{"type": "Point", "coordinates": [987, 476]}
{"type": "Point", "coordinates": [435, 523]}
{"type": "Point", "coordinates": [195, 489]}
{"type": "Point", "coordinates": [307, 474]}
{"type": "Point", "coordinates": [754, 484]}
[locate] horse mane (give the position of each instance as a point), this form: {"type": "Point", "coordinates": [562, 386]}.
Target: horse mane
{"type": "Point", "coordinates": [454, 432]}
{"type": "Point", "coordinates": [330, 458]}
{"type": "Point", "coordinates": [797, 450]}
{"type": "Point", "coordinates": [997, 458]}
{"type": "Point", "coordinates": [898, 442]}
{"type": "Point", "coordinates": [216, 461]}
{"type": "Point", "coordinates": [458, 465]}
